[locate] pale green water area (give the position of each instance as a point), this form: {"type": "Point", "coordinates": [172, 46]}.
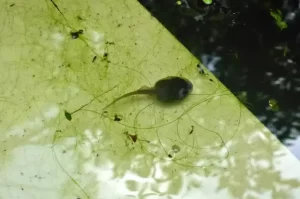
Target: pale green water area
{"type": "Point", "coordinates": [207, 146]}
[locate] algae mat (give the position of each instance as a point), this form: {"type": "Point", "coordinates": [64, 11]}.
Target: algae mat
{"type": "Point", "coordinates": [63, 62]}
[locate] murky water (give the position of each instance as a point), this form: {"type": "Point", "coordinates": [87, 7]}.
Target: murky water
{"type": "Point", "coordinates": [61, 63]}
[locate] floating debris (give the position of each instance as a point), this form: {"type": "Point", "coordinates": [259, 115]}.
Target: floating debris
{"type": "Point", "coordinates": [117, 118]}
{"type": "Point", "coordinates": [175, 148]}
{"type": "Point", "coordinates": [273, 105]}
{"type": "Point", "coordinates": [192, 130]}
{"type": "Point", "coordinates": [105, 113]}
{"type": "Point", "coordinates": [201, 71]}
{"type": "Point", "coordinates": [68, 116]}
{"type": "Point", "coordinates": [76, 34]}
{"type": "Point", "coordinates": [94, 58]}
{"type": "Point", "coordinates": [105, 55]}
{"type": "Point", "coordinates": [79, 18]}
{"type": "Point", "coordinates": [110, 42]}
{"type": "Point", "coordinates": [132, 137]}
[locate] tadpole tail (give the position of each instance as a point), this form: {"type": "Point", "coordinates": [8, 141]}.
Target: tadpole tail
{"type": "Point", "coordinates": [149, 91]}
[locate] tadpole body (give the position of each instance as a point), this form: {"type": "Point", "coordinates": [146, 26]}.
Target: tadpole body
{"type": "Point", "coordinates": [166, 90]}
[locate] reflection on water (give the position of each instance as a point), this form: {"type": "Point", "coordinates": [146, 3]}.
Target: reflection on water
{"type": "Point", "coordinates": [294, 146]}
{"type": "Point", "coordinates": [95, 164]}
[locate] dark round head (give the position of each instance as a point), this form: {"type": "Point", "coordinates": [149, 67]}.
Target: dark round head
{"type": "Point", "coordinates": [172, 89]}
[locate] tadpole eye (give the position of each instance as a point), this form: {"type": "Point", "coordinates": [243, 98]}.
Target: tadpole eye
{"type": "Point", "coordinates": [183, 93]}
{"type": "Point", "coordinates": [190, 86]}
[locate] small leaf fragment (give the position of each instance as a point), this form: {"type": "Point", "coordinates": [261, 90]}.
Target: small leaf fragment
{"type": "Point", "coordinates": [277, 15]}
{"type": "Point", "coordinates": [273, 105]}
{"type": "Point", "coordinates": [207, 1]}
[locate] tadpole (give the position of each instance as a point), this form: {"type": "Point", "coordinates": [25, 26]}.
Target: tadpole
{"type": "Point", "coordinates": [166, 90]}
